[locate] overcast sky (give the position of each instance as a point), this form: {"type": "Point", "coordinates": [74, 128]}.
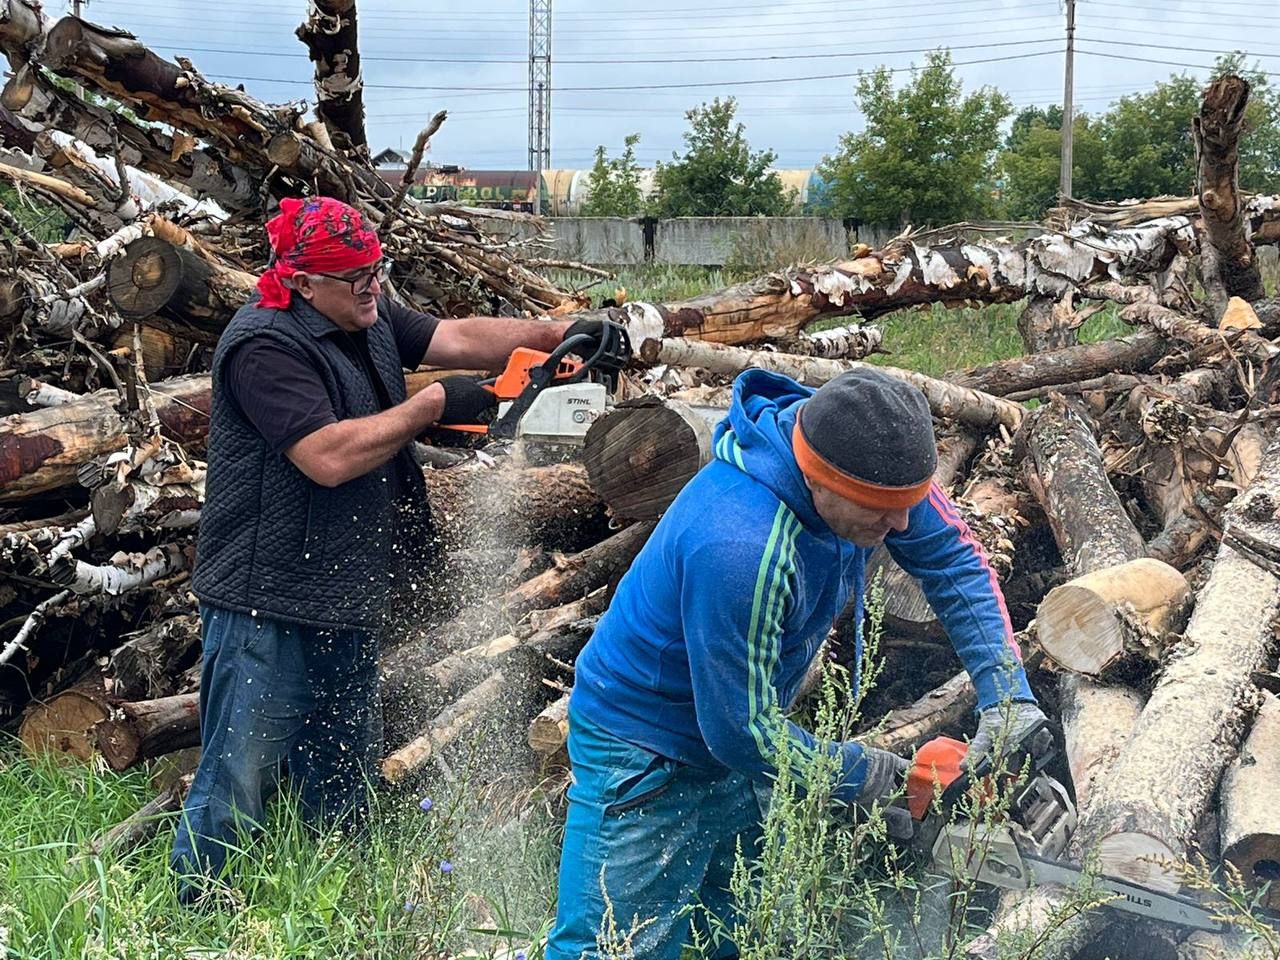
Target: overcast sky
{"type": "Point", "coordinates": [604, 89]}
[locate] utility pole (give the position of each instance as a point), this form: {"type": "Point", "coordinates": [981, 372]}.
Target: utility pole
{"type": "Point", "coordinates": [539, 85]}
{"type": "Point", "coordinates": [1068, 110]}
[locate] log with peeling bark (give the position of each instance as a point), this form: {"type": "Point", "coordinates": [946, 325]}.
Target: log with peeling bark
{"type": "Point", "coordinates": [508, 503]}
{"type": "Point", "coordinates": [906, 274]}
{"type": "Point", "coordinates": [1048, 323]}
{"type": "Point", "coordinates": [148, 664]}
{"type": "Point", "coordinates": [40, 451]}
{"type": "Point", "coordinates": [1092, 624]}
{"type": "Point", "coordinates": [174, 288]}
{"type": "Point", "coordinates": [1201, 704]}
{"type": "Point", "coordinates": [461, 719]}
{"type": "Point", "coordinates": [572, 577]}
{"type": "Point", "coordinates": [1135, 352]}
{"type": "Point", "coordinates": [145, 729]}
{"type": "Point", "coordinates": [1228, 264]}
{"type": "Point", "coordinates": [137, 828]}
{"type": "Point", "coordinates": [330, 33]}
{"type": "Point", "coordinates": [1249, 817]}
{"type": "Point", "coordinates": [838, 343]}
{"type": "Point", "coordinates": [947, 401]}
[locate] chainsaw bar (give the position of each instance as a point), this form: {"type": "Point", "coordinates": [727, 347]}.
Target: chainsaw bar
{"type": "Point", "coordinates": [1130, 897]}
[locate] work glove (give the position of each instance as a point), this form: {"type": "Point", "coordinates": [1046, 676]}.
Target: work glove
{"type": "Point", "coordinates": [883, 784]}
{"type": "Point", "coordinates": [465, 401]}
{"type": "Point", "coordinates": [1005, 725]}
{"type": "Point", "coordinates": [617, 344]}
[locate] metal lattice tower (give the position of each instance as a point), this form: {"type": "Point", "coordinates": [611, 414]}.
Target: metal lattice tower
{"type": "Point", "coordinates": [539, 84]}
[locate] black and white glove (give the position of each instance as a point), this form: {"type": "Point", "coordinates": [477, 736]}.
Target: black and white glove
{"type": "Point", "coordinates": [1003, 728]}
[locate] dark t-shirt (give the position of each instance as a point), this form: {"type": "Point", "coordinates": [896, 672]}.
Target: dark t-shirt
{"type": "Point", "coordinates": [283, 395]}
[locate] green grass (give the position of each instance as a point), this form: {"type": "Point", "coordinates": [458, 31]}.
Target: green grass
{"type": "Point", "coordinates": [296, 892]}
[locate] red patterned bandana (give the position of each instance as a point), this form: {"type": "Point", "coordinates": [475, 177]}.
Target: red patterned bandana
{"type": "Point", "coordinates": [315, 235]}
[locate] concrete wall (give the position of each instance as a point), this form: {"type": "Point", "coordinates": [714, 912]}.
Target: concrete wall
{"type": "Point", "coordinates": [705, 241]}
{"type": "Point", "coordinates": [608, 241]}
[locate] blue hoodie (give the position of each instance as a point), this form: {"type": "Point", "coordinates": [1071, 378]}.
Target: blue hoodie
{"type": "Point", "coordinates": [711, 630]}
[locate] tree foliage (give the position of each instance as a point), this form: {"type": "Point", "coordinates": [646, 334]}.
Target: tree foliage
{"type": "Point", "coordinates": [719, 176]}
{"type": "Point", "coordinates": [926, 155]}
{"type": "Point", "coordinates": [1141, 147]}
{"type": "Point", "coordinates": [614, 185]}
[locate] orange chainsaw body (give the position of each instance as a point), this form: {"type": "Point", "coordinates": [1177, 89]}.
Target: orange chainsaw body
{"type": "Point", "coordinates": [510, 383]}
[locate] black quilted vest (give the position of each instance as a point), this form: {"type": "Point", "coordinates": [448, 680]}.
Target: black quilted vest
{"type": "Point", "coordinates": [272, 541]}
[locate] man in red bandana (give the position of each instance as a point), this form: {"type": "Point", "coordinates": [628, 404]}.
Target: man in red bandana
{"type": "Point", "coordinates": [315, 509]}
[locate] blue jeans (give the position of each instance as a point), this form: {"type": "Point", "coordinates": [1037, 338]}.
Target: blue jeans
{"type": "Point", "coordinates": [665, 836]}
{"type": "Point", "coordinates": [275, 694]}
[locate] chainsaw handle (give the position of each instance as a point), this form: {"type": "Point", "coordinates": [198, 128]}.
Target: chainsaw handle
{"type": "Point", "coordinates": [938, 764]}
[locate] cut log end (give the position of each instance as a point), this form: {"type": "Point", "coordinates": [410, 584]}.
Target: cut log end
{"type": "Point", "coordinates": [1140, 858]}
{"type": "Point", "coordinates": [63, 726]}
{"type": "Point", "coordinates": [640, 456]}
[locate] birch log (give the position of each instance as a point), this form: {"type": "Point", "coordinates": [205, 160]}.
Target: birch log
{"type": "Point", "coordinates": [1201, 705]}
{"type": "Point", "coordinates": [1091, 624]}
{"type": "Point", "coordinates": [331, 35]}
{"type": "Point", "coordinates": [1249, 809]}
{"type": "Point", "coordinates": [41, 450]}
{"type": "Point", "coordinates": [947, 401]}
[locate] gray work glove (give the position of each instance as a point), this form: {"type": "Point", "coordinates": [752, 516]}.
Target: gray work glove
{"type": "Point", "coordinates": [1003, 726]}
{"type": "Point", "coordinates": [886, 776]}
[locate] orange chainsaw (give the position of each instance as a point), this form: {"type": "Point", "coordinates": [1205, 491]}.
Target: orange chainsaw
{"type": "Point", "coordinates": [1027, 847]}
{"type": "Point", "coordinates": [551, 397]}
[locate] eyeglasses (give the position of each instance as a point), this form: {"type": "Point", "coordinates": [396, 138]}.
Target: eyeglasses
{"type": "Point", "coordinates": [363, 283]}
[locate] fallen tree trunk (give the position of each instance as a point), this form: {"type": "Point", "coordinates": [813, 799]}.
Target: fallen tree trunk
{"type": "Point", "coordinates": [906, 274]}
{"type": "Point", "coordinates": [1202, 701]}
{"type": "Point", "coordinates": [1249, 808]}
{"type": "Point", "coordinates": [41, 450]}
{"type": "Point", "coordinates": [149, 728]}
{"type": "Point", "coordinates": [573, 577]}
{"type": "Point", "coordinates": [1228, 265]}
{"type": "Point", "coordinates": [947, 401]}
{"type": "Point", "coordinates": [1065, 472]}
{"type": "Point", "coordinates": [1209, 341]}
{"type": "Point", "coordinates": [330, 33]}
{"type": "Point", "coordinates": [1092, 624]}
{"type": "Point", "coordinates": [1132, 353]}
{"type": "Point", "coordinates": [640, 454]}
{"type": "Point", "coordinates": [176, 289]}
{"type": "Point", "coordinates": [473, 504]}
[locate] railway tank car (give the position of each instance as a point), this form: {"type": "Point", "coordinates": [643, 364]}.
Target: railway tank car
{"type": "Point", "coordinates": [560, 192]}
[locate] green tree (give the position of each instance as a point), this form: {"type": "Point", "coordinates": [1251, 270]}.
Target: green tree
{"type": "Point", "coordinates": [719, 176]}
{"type": "Point", "coordinates": [1031, 161]}
{"type": "Point", "coordinates": [926, 155]}
{"type": "Point", "coordinates": [614, 185]}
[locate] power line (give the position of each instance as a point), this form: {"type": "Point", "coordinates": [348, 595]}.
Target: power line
{"type": "Point", "coordinates": [632, 60]}
{"type": "Point", "coordinates": [1166, 63]}
{"type": "Point", "coordinates": [650, 86]}
{"type": "Point", "coordinates": [664, 35]}
{"type": "Point", "coordinates": [1160, 46]}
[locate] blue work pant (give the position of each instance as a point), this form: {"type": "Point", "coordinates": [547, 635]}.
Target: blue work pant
{"type": "Point", "coordinates": [275, 695]}
{"type": "Point", "coordinates": [665, 836]}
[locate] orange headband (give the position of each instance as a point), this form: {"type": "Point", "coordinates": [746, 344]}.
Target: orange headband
{"type": "Point", "coordinates": [873, 495]}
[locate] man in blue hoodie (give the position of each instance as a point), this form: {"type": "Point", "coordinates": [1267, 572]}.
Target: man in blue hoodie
{"type": "Point", "coordinates": [679, 695]}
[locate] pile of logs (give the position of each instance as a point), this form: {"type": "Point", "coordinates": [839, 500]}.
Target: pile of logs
{"type": "Point", "coordinates": [1132, 511]}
